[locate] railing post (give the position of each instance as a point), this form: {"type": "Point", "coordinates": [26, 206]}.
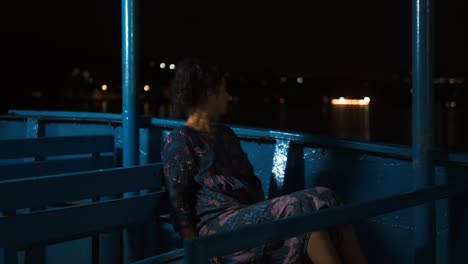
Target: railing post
{"type": "Point", "coordinates": [423, 128]}
{"type": "Point", "coordinates": [132, 249]}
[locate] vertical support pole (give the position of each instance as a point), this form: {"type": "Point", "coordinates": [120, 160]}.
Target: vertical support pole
{"type": "Point", "coordinates": [423, 128]}
{"type": "Point", "coordinates": [129, 84]}
{"type": "Point", "coordinates": [35, 129]}
{"type": "Point", "coordinates": [130, 129]}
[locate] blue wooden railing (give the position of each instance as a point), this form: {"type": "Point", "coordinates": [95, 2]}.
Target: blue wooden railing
{"type": "Point", "coordinates": [201, 249]}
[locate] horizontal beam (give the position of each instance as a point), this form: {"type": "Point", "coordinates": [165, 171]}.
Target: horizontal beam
{"type": "Point", "coordinates": [52, 146]}
{"type": "Point", "coordinates": [50, 167]}
{"type": "Point", "coordinates": [65, 114]}
{"type": "Point", "coordinates": [47, 190]}
{"type": "Point", "coordinates": [73, 222]}
{"type": "Point", "coordinates": [401, 151]}
{"type": "Point", "coordinates": [168, 257]}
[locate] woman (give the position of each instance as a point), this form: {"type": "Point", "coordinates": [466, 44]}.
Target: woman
{"type": "Point", "coordinates": [213, 188]}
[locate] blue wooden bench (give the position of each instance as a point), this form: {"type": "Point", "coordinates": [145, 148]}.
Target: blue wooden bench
{"type": "Point", "coordinates": [57, 224]}
{"type": "Point", "coordinates": [20, 158]}
{"type": "Point", "coordinates": [52, 155]}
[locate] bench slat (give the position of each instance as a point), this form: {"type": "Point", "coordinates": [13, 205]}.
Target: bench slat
{"type": "Point", "coordinates": [50, 167]}
{"type": "Point", "coordinates": [77, 221]}
{"type": "Point", "coordinates": [47, 190]}
{"type": "Point", "coordinates": [49, 146]}
{"type": "Point", "coordinates": [172, 257]}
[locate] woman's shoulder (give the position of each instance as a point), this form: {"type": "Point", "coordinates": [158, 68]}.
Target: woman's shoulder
{"type": "Point", "coordinates": [184, 132]}
{"type": "Point", "coordinates": [178, 134]}
{"type": "Point", "coordinates": [228, 133]}
{"type": "Point", "coordinates": [224, 128]}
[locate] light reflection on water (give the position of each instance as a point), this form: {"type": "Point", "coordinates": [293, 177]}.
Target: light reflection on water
{"type": "Point", "coordinates": [350, 122]}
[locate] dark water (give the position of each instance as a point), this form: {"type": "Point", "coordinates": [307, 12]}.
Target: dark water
{"type": "Point", "coordinates": [378, 122]}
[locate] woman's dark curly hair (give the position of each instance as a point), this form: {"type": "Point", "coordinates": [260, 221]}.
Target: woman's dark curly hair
{"type": "Point", "coordinates": [194, 79]}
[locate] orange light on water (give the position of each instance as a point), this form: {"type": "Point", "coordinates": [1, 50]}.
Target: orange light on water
{"type": "Point", "coordinates": [346, 101]}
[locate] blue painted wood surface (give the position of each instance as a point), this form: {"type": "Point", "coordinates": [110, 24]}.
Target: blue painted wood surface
{"type": "Point", "coordinates": [84, 216]}
{"type": "Point", "coordinates": [50, 146]}
{"type": "Point", "coordinates": [51, 226]}
{"type": "Point", "coordinates": [173, 257]}
{"type": "Point", "coordinates": [48, 167]}
{"type": "Point", "coordinates": [200, 249]}
{"type": "Point", "coordinates": [48, 190]}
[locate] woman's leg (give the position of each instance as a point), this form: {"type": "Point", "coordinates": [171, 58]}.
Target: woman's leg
{"type": "Point", "coordinates": [350, 249]}
{"type": "Point", "coordinates": [321, 250]}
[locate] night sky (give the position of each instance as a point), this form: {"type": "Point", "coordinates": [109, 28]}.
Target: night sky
{"type": "Point", "coordinates": [339, 39]}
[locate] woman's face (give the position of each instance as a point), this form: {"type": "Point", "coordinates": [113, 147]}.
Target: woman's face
{"type": "Point", "coordinates": [219, 102]}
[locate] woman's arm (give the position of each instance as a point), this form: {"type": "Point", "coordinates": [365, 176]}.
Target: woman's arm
{"type": "Point", "coordinates": [179, 168]}
{"type": "Point", "coordinates": [187, 232]}
{"type": "Point", "coordinates": [247, 168]}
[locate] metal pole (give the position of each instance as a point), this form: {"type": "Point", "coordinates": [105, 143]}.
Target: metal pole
{"type": "Point", "coordinates": [129, 85]}
{"type": "Point", "coordinates": [130, 130]}
{"type": "Point", "coordinates": [423, 128]}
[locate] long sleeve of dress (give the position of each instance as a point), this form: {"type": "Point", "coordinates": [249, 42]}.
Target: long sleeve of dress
{"type": "Point", "coordinates": [179, 168]}
{"type": "Point", "coordinates": [247, 168]}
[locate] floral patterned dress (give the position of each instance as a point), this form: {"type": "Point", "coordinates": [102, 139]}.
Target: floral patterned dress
{"type": "Point", "coordinates": [213, 188]}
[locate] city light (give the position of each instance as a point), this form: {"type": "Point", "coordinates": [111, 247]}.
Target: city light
{"type": "Point", "coordinates": [284, 79]}
{"type": "Point", "coordinates": [75, 72]}
{"type": "Point", "coordinates": [300, 80]}
{"type": "Point", "coordinates": [162, 65]}
{"type": "Point", "coordinates": [172, 66]}
{"type": "Point", "coordinates": [346, 101]}
{"type": "Point", "coordinates": [104, 87]}
{"type": "Point", "coordinates": [86, 74]}
{"type": "Point", "coordinates": [146, 88]}
{"type": "Point", "coordinates": [451, 104]}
